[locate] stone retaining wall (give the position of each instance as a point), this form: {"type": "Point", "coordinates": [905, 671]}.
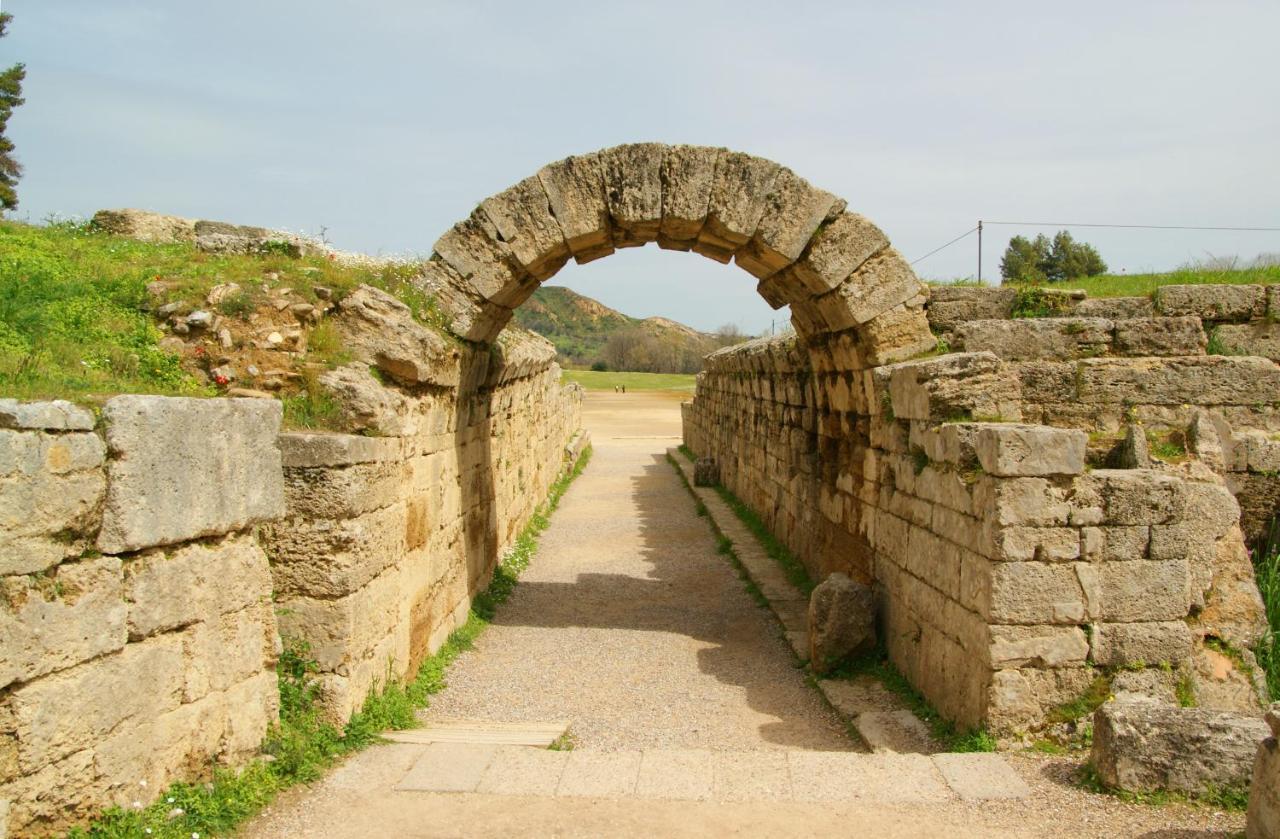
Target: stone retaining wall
{"type": "Point", "coordinates": [137, 636]}
{"type": "Point", "coordinates": [1006, 570]}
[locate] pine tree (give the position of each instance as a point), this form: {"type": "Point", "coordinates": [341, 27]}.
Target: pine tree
{"type": "Point", "coordinates": [10, 98]}
{"type": "Point", "coordinates": [1039, 260]}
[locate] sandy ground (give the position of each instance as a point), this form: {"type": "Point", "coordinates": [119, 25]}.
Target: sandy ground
{"type": "Point", "coordinates": [630, 626]}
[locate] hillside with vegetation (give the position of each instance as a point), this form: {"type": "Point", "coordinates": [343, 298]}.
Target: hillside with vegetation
{"type": "Point", "coordinates": [588, 333]}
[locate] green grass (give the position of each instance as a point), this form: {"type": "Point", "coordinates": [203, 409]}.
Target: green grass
{"type": "Point", "coordinates": [304, 743]}
{"type": "Point", "coordinates": [597, 380]}
{"type": "Point", "coordinates": [794, 570]}
{"type": "Point", "coordinates": [1085, 704]}
{"type": "Point", "coordinates": [1231, 798]}
{"type": "Point", "coordinates": [1142, 285]}
{"type": "Point", "coordinates": [77, 322]}
{"type": "Point", "coordinates": [1266, 567]}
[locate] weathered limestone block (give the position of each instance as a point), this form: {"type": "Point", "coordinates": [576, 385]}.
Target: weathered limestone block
{"type": "Point", "coordinates": [1037, 646]}
{"type": "Point", "coordinates": [1046, 381]}
{"type": "Point", "coordinates": [877, 286]}
{"type": "Point", "coordinates": [165, 452]}
{"type": "Point", "coordinates": [950, 306]}
{"type": "Point", "coordinates": [300, 449]}
{"type": "Point", "coordinates": [1148, 746]}
{"type": "Point", "coordinates": [1008, 450]}
{"type": "Point", "coordinates": [1261, 339]}
{"type": "Point", "coordinates": [220, 237]}
{"type": "Point", "coordinates": [1264, 790]}
{"type": "Point", "coordinates": [1129, 497]}
{"type": "Point", "coordinates": [50, 490]}
{"type": "Point", "coordinates": [1233, 608]}
{"type": "Point", "coordinates": [837, 249]}
{"type": "Point", "coordinates": [367, 405]}
{"type": "Point", "coordinates": [49, 623]}
{"type": "Point", "coordinates": [575, 188]}
{"type": "Point", "coordinates": [56, 415]}
{"type": "Point", "coordinates": [1035, 338]}
{"type": "Point", "coordinates": [66, 712]}
{"type": "Point", "coordinates": [519, 353]}
{"type": "Point", "coordinates": [475, 251]}
{"type": "Point", "coordinates": [228, 649]}
{"type": "Point", "coordinates": [1152, 642]}
{"type": "Point", "coordinates": [793, 212]}
{"type": "Point", "coordinates": [688, 173]}
{"type": "Point", "coordinates": [145, 226]}
{"type": "Point", "coordinates": [1143, 590]}
{"type": "Point", "coordinates": [1209, 380]}
{"type": "Point", "coordinates": [1017, 699]}
{"type": "Point", "coordinates": [522, 217]}
{"type": "Point", "coordinates": [328, 558]}
{"type": "Point", "coordinates": [1114, 308]}
{"type": "Point", "coordinates": [471, 317]}
{"type": "Point", "coordinates": [1121, 543]}
{"type": "Point", "coordinates": [633, 191]}
{"type": "Point", "coordinates": [737, 203]}
{"type": "Point", "coordinates": [1160, 336]}
{"type": "Point", "coordinates": [382, 331]}
{"type": "Point", "coordinates": [1212, 302]}
{"type": "Point", "coordinates": [1040, 544]}
{"type": "Point", "coordinates": [951, 387]}
{"type": "Point", "coordinates": [1040, 593]}
{"type": "Point", "coordinates": [842, 619]}
{"type": "Point", "coordinates": [199, 581]}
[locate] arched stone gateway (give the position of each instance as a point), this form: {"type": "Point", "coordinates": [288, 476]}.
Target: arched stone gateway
{"type": "Point", "coordinates": [835, 268]}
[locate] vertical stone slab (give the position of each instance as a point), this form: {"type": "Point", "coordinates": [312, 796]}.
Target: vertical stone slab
{"type": "Point", "coordinates": [522, 217]}
{"type": "Point", "coordinates": [182, 469]}
{"type": "Point", "coordinates": [575, 188]}
{"type": "Point", "coordinates": [737, 204]}
{"type": "Point", "coordinates": [687, 175]}
{"type": "Point", "coordinates": [473, 249]}
{"type": "Point", "coordinates": [794, 210]}
{"type": "Point", "coordinates": [633, 191]}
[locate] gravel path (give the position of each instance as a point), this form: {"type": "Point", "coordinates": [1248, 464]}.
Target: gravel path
{"type": "Point", "coordinates": [630, 625]}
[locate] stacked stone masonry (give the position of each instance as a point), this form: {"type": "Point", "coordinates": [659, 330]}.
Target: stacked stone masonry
{"type": "Point", "coordinates": [137, 636]}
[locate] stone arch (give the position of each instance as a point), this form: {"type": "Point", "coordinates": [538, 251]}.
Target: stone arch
{"type": "Point", "coordinates": [835, 268]}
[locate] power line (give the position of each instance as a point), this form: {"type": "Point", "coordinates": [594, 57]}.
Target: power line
{"type": "Point", "coordinates": [1133, 226]}
{"type": "Point", "coordinates": [968, 232]}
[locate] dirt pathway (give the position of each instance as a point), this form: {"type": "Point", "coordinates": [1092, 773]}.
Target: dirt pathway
{"type": "Point", "coordinates": [630, 625]}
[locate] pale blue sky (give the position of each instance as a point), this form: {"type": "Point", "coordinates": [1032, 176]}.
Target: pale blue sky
{"type": "Point", "coordinates": [386, 121]}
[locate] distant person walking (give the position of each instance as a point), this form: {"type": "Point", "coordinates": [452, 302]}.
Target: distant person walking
{"type": "Point", "coordinates": [624, 388]}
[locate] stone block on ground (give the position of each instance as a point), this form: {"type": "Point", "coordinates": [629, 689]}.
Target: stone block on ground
{"type": "Point", "coordinates": [1144, 746]}
{"type": "Point", "coordinates": [841, 621]}
{"type": "Point", "coordinates": [380, 330]}
{"type": "Point", "coordinates": [1264, 791]}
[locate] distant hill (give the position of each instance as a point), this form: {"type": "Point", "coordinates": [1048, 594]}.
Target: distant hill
{"type": "Point", "coordinates": [586, 332]}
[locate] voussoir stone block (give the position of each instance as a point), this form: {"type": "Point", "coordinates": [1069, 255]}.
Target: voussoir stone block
{"type": "Point", "coordinates": [1008, 450]}
{"type": "Point", "coordinates": [793, 212]}
{"type": "Point", "coordinates": [687, 175]}
{"type": "Point", "coordinates": [633, 191]}
{"type": "Point", "coordinates": [522, 216]}
{"type": "Point", "coordinates": [575, 189]}
{"type": "Point", "coordinates": [167, 452]}
{"type": "Point", "coordinates": [474, 249]}
{"type": "Point", "coordinates": [878, 285]}
{"type": "Point", "coordinates": [836, 250]}
{"type": "Point", "coordinates": [737, 204]}
{"type": "Point", "coordinates": [471, 317]}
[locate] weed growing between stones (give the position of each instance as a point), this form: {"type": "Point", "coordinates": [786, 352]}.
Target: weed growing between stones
{"type": "Point", "coordinates": [1086, 703]}
{"type": "Point", "coordinates": [796, 573]}
{"type": "Point", "coordinates": [1036, 302]}
{"type": "Point", "coordinates": [305, 743]}
{"type": "Point", "coordinates": [1266, 569]}
{"type": "Point", "coordinates": [877, 665]}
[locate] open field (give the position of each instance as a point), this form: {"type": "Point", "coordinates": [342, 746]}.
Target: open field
{"type": "Point", "coordinates": [1142, 285]}
{"type": "Point", "coordinates": [597, 380]}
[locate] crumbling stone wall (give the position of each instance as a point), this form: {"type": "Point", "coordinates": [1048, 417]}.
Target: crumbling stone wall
{"type": "Point", "coordinates": [1006, 569]}
{"type": "Point", "coordinates": [1209, 371]}
{"type": "Point", "coordinates": [137, 636]}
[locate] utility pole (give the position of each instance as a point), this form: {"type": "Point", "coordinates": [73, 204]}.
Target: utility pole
{"type": "Point", "coordinates": [979, 251]}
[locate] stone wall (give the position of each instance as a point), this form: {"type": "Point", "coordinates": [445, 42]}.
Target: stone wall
{"type": "Point", "coordinates": [137, 636]}
{"type": "Point", "coordinates": [1006, 569]}
{"type": "Point", "coordinates": [387, 538]}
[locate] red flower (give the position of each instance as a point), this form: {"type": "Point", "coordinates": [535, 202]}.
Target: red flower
{"type": "Point", "coordinates": [220, 380]}
{"type": "Point", "coordinates": [199, 350]}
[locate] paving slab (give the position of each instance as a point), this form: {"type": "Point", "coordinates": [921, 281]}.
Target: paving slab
{"type": "Point", "coordinates": [751, 776]}
{"type": "Point", "coordinates": [600, 774]}
{"type": "Point", "coordinates": [520, 770]}
{"type": "Point", "coordinates": [895, 731]}
{"type": "Point", "coordinates": [677, 774]}
{"type": "Point", "coordinates": [821, 776]}
{"type": "Point", "coordinates": [981, 777]}
{"type": "Point", "coordinates": [376, 768]}
{"type": "Point", "coordinates": [483, 731]}
{"type": "Point", "coordinates": [898, 779]}
{"type": "Point", "coordinates": [448, 767]}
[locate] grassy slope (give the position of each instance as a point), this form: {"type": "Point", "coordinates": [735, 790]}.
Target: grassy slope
{"type": "Point", "coordinates": [592, 380]}
{"type": "Point", "coordinates": [580, 326]}
{"type": "Point", "coordinates": [1142, 285]}
{"type": "Point", "coordinates": [76, 316]}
